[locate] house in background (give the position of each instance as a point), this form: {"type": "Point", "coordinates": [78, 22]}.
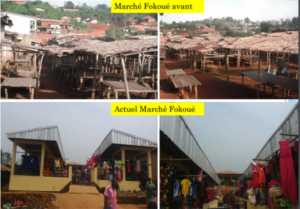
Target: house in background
{"type": "Point", "coordinates": [22, 24]}
{"type": "Point", "coordinates": [148, 19]}
{"type": "Point", "coordinates": [151, 31]}
{"type": "Point", "coordinates": [229, 178]}
{"type": "Point", "coordinates": [239, 29]}
{"type": "Point", "coordinates": [41, 9]}
{"type": "Point", "coordinates": [78, 19]}
{"type": "Point", "coordinates": [70, 10]}
{"type": "Point", "coordinates": [53, 5]}
{"type": "Point", "coordinates": [94, 21]}
{"type": "Point", "coordinates": [65, 18]}
{"type": "Point", "coordinates": [5, 21]}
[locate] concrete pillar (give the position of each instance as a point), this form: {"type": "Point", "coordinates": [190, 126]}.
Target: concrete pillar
{"type": "Point", "coordinates": [42, 159]}
{"type": "Point", "coordinates": [13, 160]}
{"type": "Point", "coordinates": [123, 164]}
{"type": "Point", "coordinates": [149, 164]}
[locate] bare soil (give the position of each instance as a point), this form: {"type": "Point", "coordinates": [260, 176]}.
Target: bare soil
{"type": "Point", "coordinates": [78, 197]}
{"type": "Point", "coordinates": [214, 84]}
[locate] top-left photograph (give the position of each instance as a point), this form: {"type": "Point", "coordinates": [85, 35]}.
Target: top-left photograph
{"type": "Point", "coordinates": [75, 50]}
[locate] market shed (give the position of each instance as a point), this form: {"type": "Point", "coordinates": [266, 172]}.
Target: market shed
{"type": "Point", "coordinates": [208, 51]}
{"type": "Point", "coordinates": [287, 129]}
{"type": "Point", "coordinates": [118, 60]}
{"type": "Point", "coordinates": [281, 46]}
{"type": "Point", "coordinates": [133, 152]}
{"type": "Point", "coordinates": [179, 148]}
{"type": "Point", "coordinates": [38, 161]}
{"type": "Point", "coordinates": [28, 61]}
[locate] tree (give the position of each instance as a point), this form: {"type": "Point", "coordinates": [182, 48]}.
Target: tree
{"type": "Point", "coordinates": [247, 20]}
{"type": "Point", "coordinates": [229, 19]}
{"type": "Point", "coordinates": [295, 22]}
{"type": "Point", "coordinates": [5, 157]}
{"type": "Point", "coordinates": [69, 5]}
{"type": "Point", "coordinates": [173, 23]}
{"type": "Point", "coordinates": [208, 24]}
{"type": "Point", "coordinates": [264, 26]}
{"type": "Point", "coordinates": [115, 33]}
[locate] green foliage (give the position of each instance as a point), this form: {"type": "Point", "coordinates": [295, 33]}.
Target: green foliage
{"type": "Point", "coordinates": [247, 20]}
{"type": "Point", "coordinates": [264, 26]}
{"type": "Point", "coordinates": [69, 5]}
{"type": "Point", "coordinates": [115, 33]}
{"type": "Point", "coordinates": [5, 157]}
{"type": "Point", "coordinates": [192, 34]}
{"type": "Point", "coordinates": [231, 33]}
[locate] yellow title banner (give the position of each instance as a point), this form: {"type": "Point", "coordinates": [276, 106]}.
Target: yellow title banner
{"type": "Point", "coordinates": [157, 6]}
{"type": "Point", "coordinates": [152, 109]}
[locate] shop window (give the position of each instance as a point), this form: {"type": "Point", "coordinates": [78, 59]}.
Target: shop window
{"type": "Point", "coordinates": [27, 159]}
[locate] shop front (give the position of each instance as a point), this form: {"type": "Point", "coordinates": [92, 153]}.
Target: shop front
{"type": "Point", "coordinates": [129, 159]}
{"type": "Point", "coordinates": [187, 178]}
{"type": "Point", "coordinates": [38, 161]}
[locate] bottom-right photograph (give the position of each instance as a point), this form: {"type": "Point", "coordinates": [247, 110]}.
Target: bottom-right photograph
{"type": "Point", "coordinates": [237, 156]}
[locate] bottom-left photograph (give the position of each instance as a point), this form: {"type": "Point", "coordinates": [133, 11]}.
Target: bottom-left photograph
{"type": "Point", "coordinates": [76, 155]}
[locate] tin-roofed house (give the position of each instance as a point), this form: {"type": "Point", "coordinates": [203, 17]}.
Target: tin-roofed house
{"type": "Point", "coordinates": [38, 161]}
{"type": "Point", "coordinates": [134, 158]}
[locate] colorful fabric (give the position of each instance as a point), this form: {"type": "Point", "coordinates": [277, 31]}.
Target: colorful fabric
{"type": "Point", "coordinates": [185, 183]}
{"type": "Point", "coordinates": [287, 171]}
{"type": "Point", "coordinates": [111, 195]}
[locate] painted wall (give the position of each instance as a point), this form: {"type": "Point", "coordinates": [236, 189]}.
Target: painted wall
{"type": "Point", "coordinates": [21, 24]}
{"type": "Point", "coordinates": [124, 185]}
{"type": "Point", "coordinates": [39, 183]}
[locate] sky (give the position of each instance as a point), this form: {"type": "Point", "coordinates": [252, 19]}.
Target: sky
{"type": "Point", "coordinates": [256, 10]}
{"type": "Point", "coordinates": [232, 134]}
{"type": "Point", "coordinates": [82, 125]}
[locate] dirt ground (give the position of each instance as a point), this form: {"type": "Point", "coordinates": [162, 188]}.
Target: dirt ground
{"type": "Point", "coordinates": [214, 84]}
{"type": "Point", "coordinates": [78, 197]}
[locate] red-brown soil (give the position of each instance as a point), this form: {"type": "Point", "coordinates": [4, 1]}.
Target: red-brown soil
{"type": "Point", "coordinates": [214, 84]}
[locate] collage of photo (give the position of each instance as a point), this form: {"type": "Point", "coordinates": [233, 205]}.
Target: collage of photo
{"type": "Point", "coordinates": [65, 63]}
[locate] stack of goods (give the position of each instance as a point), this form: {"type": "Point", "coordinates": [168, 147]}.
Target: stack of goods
{"type": "Point", "coordinates": [126, 197]}
{"type": "Point", "coordinates": [165, 178]}
{"type": "Point", "coordinates": [30, 163]}
{"type": "Point", "coordinates": [140, 197]}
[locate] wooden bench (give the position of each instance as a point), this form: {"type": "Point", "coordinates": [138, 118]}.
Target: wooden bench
{"type": "Point", "coordinates": [20, 83]}
{"type": "Point", "coordinates": [182, 81]}
{"type": "Point", "coordinates": [117, 87]}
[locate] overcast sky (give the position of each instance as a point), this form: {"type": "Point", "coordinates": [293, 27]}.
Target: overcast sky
{"type": "Point", "coordinates": [232, 134]}
{"type": "Point", "coordinates": [82, 125]}
{"type": "Point", "coordinates": [256, 10]}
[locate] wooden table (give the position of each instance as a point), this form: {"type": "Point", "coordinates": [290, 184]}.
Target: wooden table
{"type": "Point", "coordinates": [19, 83]}
{"type": "Point", "coordinates": [117, 87]}
{"type": "Point", "coordinates": [175, 72]}
{"type": "Point", "coordinates": [272, 80]}
{"type": "Point", "coordinates": [182, 81]}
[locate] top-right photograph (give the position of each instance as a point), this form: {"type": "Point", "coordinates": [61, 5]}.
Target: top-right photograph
{"type": "Point", "coordinates": [235, 50]}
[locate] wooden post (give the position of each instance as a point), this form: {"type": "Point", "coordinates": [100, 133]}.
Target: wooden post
{"type": "Point", "coordinates": [152, 71]}
{"type": "Point", "coordinates": [238, 63]}
{"type": "Point", "coordinates": [258, 86]}
{"type": "Point", "coordinates": [73, 69]}
{"type": "Point", "coordinates": [251, 58]}
{"type": "Point", "coordinates": [125, 78]}
{"type": "Point", "coordinates": [39, 73]}
{"type": "Point", "coordinates": [6, 92]}
{"type": "Point", "coordinates": [268, 60]}
{"type": "Point", "coordinates": [196, 92]}
{"type": "Point", "coordinates": [100, 78]}
{"type": "Point", "coordinates": [194, 61]}
{"type": "Point", "coordinates": [116, 95]}
{"type": "Point", "coordinates": [227, 62]}
{"type": "Point", "coordinates": [95, 74]}
{"type": "Point", "coordinates": [13, 160]}
{"type": "Point", "coordinates": [149, 64]}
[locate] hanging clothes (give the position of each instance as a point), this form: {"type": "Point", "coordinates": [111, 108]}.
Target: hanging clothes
{"type": "Point", "coordinates": [57, 166]}
{"type": "Point", "coordinates": [287, 171]}
{"type": "Point", "coordinates": [93, 161]}
{"type": "Point", "coordinates": [35, 162]}
{"type": "Point", "coordinates": [111, 171]}
{"type": "Point", "coordinates": [119, 173]}
{"type": "Point", "coordinates": [177, 188]}
{"type": "Point", "coordinates": [185, 183]}
{"type": "Point", "coordinates": [261, 173]}
{"type": "Point", "coordinates": [107, 172]}
{"type": "Point", "coordinates": [116, 172]}
{"type": "Point", "coordinates": [200, 175]}
{"type": "Point", "coordinates": [255, 182]}
{"type": "Point", "coordinates": [24, 162]}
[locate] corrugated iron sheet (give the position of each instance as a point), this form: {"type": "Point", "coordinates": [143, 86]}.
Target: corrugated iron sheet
{"type": "Point", "coordinates": [288, 126]}
{"type": "Point", "coordinates": [122, 138]}
{"type": "Point", "coordinates": [49, 133]}
{"type": "Point", "coordinates": [178, 131]}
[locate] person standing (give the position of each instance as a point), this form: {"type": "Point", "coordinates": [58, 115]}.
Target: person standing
{"type": "Point", "coordinates": [82, 176]}
{"type": "Point", "coordinates": [110, 195]}
{"type": "Point", "coordinates": [150, 187]}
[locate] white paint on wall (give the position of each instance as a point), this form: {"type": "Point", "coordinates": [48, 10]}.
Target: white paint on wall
{"type": "Point", "coordinates": [21, 23]}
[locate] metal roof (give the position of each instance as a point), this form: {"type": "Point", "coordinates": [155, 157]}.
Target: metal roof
{"type": "Point", "coordinates": [122, 138]}
{"type": "Point", "coordinates": [49, 133]}
{"type": "Point", "coordinates": [288, 126]}
{"type": "Point", "coordinates": [178, 131]}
